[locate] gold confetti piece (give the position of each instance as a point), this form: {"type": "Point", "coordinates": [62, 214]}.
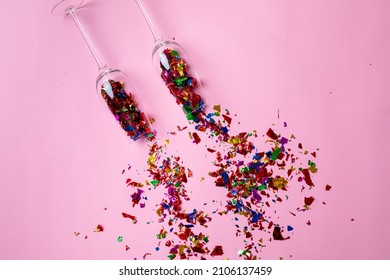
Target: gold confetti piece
{"type": "Point", "coordinates": [279, 182]}
{"type": "Point", "coordinates": [152, 159]}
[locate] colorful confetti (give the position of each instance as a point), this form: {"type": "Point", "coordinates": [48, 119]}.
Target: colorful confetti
{"type": "Point", "coordinates": [174, 72]}
{"type": "Point", "coordinates": [125, 110]}
{"type": "Point", "coordinates": [254, 177]}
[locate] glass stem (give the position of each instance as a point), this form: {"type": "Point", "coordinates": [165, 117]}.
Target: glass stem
{"type": "Point", "coordinates": [100, 64]}
{"type": "Point", "coordinates": [156, 36]}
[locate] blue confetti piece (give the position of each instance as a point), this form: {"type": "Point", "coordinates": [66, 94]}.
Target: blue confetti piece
{"type": "Point", "coordinates": [225, 177]}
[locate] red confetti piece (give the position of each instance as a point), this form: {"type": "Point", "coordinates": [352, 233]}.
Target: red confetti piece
{"type": "Point", "coordinates": [131, 217]}
{"type": "Point", "coordinates": [127, 248]}
{"type": "Point", "coordinates": [181, 129]}
{"type": "Point", "coordinates": [277, 234]}
{"type": "Point", "coordinates": [217, 251]}
{"type": "Point", "coordinates": [227, 119]}
{"type": "Point", "coordinates": [131, 183]}
{"type": "Point", "coordinates": [147, 254]}
{"type": "Point", "coordinates": [307, 178]}
{"type": "Point", "coordinates": [328, 188]}
{"type": "Point", "coordinates": [271, 134]}
{"type": "Point", "coordinates": [309, 200]}
{"type": "Point", "coordinates": [99, 228]}
{"type": "Point", "coordinates": [196, 138]}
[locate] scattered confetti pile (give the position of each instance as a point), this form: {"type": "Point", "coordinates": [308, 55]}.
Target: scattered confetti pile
{"type": "Point", "coordinates": [256, 177]}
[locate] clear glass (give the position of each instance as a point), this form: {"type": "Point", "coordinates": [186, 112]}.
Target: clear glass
{"type": "Point", "coordinates": [112, 85]}
{"type": "Point", "coordinates": [176, 70]}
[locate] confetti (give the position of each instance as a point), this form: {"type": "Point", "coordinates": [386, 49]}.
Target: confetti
{"type": "Point", "coordinates": [125, 110]}
{"type": "Point", "coordinates": [99, 228]}
{"type": "Point", "coordinates": [131, 217]}
{"type": "Point", "coordinates": [196, 138]}
{"type": "Point", "coordinates": [174, 72]}
{"type": "Point", "coordinates": [309, 200]}
{"type": "Point", "coordinates": [252, 184]}
{"type": "Point", "coordinates": [254, 177]}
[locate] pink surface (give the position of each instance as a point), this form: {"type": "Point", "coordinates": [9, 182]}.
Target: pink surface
{"type": "Point", "coordinates": [323, 64]}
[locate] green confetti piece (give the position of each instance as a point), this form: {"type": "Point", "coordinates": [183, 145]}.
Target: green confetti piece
{"type": "Point", "coordinates": [190, 117]}
{"type": "Point", "coordinates": [276, 153]}
{"type": "Point", "coordinates": [120, 238]}
{"type": "Point", "coordinates": [155, 182]}
{"type": "Point", "coordinates": [179, 81]}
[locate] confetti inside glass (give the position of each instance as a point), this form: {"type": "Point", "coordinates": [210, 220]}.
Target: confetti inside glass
{"type": "Point", "coordinates": [177, 71]}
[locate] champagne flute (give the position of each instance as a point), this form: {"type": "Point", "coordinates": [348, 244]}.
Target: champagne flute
{"type": "Point", "coordinates": [173, 64]}
{"type": "Point", "coordinates": [112, 85]}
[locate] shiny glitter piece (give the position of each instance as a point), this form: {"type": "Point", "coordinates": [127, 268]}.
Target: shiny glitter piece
{"type": "Point", "coordinates": [99, 228]}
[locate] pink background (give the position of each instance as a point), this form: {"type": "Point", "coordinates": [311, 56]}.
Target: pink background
{"type": "Point", "coordinates": [323, 64]}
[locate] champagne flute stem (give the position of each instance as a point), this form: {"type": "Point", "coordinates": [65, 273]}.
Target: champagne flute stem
{"type": "Point", "coordinates": [96, 56]}
{"type": "Point", "coordinates": [156, 36]}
